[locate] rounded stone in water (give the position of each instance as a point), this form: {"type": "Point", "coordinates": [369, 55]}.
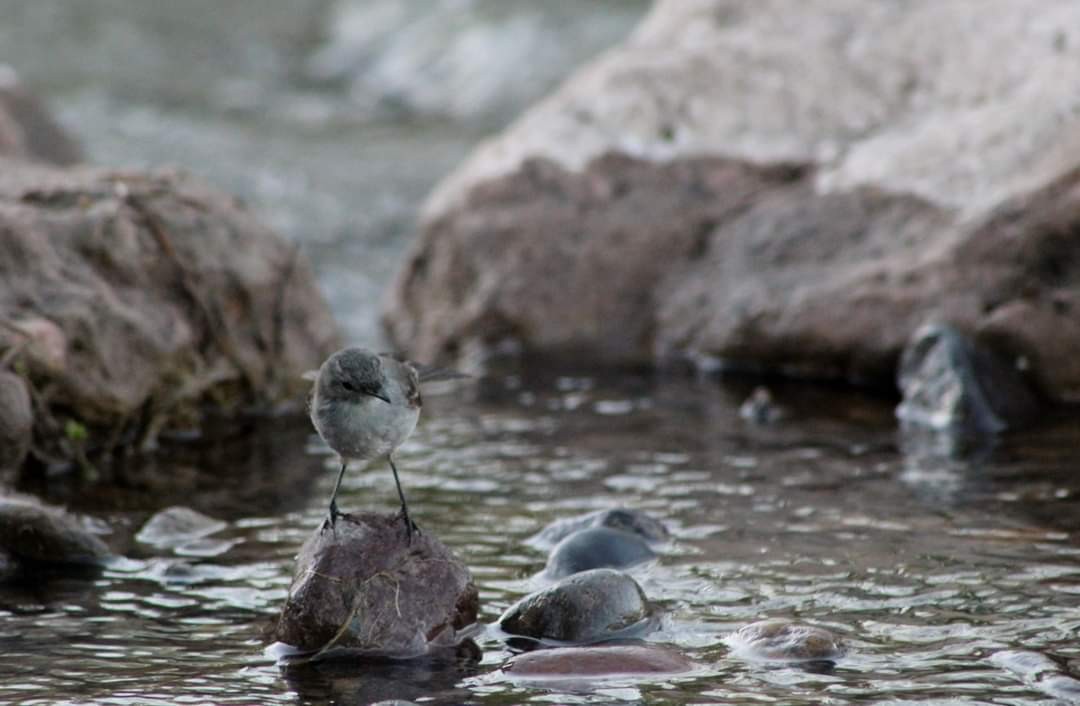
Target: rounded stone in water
{"type": "Point", "coordinates": [592, 606]}
{"type": "Point", "coordinates": [596, 548]}
{"type": "Point", "coordinates": [628, 520]}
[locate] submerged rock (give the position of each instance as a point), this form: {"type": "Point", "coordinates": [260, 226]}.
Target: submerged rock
{"type": "Point", "coordinates": [34, 532]}
{"type": "Point", "coordinates": [593, 606]}
{"type": "Point", "coordinates": [785, 641]}
{"type": "Point", "coordinates": [625, 519]}
{"type": "Point", "coordinates": [361, 587]}
{"type": "Point", "coordinates": [598, 661]}
{"type": "Point", "coordinates": [140, 301]}
{"type": "Point", "coordinates": [659, 205]}
{"type": "Point", "coordinates": [596, 548]}
{"type": "Point", "coordinates": [949, 382]}
{"type": "Point", "coordinates": [184, 530]}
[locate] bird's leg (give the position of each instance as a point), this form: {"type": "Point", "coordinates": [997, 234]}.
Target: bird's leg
{"type": "Point", "coordinates": [334, 512]}
{"type": "Point", "coordinates": [409, 526]}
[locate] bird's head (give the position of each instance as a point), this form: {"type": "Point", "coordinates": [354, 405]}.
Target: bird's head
{"type": "Point", "coordinates": [352, 374]}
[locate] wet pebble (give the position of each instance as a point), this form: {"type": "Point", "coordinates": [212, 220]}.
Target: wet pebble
{"type": "Point", "coordinates": [596, 548]}
{"type": "Point", "coordinates": [782, 640]}
{"type": "Point", "coordinates": [591, 606]}
{"type": "Point", "coordinates": [760, 408]}
{"type": "Point", "coordinates": [599, 661]}
{"type": "Point", "coordinates": [950, 382]}
{"type": "Point", "coordinates": [33, 531]}
{"type": "Point", "coordinates": [628, 520]}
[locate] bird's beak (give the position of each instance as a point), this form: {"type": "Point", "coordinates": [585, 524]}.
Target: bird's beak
{"type": "Point", "coordinates": [379, 395]}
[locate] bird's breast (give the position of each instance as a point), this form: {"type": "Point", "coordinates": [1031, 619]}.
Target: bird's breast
{"type": "Point", "coordinates": [364, 429]}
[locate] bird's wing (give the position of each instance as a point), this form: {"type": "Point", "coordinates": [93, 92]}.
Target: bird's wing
{"type": "Point", "coordinates": [428, 373]}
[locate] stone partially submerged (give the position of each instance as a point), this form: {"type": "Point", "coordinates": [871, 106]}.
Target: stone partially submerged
{"type": "Point", "coordinates": [588, 607]}
{"type": "Point", "coordinates": [785, 641]}
{"type": "Point", "coordinates": [132, 302]}
{"type": "Point", "coordinates": [32, 532]}
{"type": "Point", "coordinates": [626, 519]}
{"type": "Point", "coordinates": [362, 588]}
{"type": "Point", "coordinates": [950, 383]}
{"type": "Point", "coordinates": [596, 548]}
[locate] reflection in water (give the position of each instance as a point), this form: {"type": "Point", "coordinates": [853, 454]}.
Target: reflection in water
{"type": "Point", "coordinates": [433, 678]}
{"type": "Point", "coordinates": [942, 467]}
{"type": "Point", "coordinates": [815, 518]}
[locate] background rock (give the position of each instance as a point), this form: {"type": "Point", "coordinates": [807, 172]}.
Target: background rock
{"type": "Point", "coordinates": [793, 189]}
{"type": "Point", "coordinates": [361, 587]}
{"type": "Point", "coordinates": [138, 301]}
{"type": "Point", "coordinates": [424, 57]}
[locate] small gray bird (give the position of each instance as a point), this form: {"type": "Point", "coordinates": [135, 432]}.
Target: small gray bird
{"type": "Point", "coordinates": [364, 405]}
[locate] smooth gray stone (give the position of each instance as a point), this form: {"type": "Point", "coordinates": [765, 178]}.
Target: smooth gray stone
{"type": "Point", "coordinates": [596, 548]}
{"type": "Point", "coordinates": [592, 606]}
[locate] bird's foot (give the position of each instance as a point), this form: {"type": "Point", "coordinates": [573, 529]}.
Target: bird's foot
{"type": "Point", "coordinates": [410, 526]}
{"type": "Point", "coordinates": [331, 519]}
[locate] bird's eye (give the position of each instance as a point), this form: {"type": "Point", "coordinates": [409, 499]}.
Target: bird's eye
{"type": "Point", "coordinates": [349, 386]}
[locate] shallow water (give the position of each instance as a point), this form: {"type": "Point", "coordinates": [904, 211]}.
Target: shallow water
{"type": "Point", "coordinates": [927, 566]}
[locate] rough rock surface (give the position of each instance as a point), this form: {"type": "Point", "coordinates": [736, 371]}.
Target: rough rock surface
{"type": "Point", "coordinates": [361, 587]}
{"type": "Point", "coordinates": [32, 531]}
{"type": "Point", "coordinates": [134, 301]}
{"type": "Point", "coordinates": [592, 606]}
{"type": "Point", "coordinates": [598, 661]}
{"type": "Point", "coordinates": [782, 187]}
{"type": "Point", "coordinates": [27, 131]}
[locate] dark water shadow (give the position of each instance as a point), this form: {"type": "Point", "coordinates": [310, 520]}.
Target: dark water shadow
{"type": "Point", "coordinates": [344, 680]}
{"type": "Point", "coordinates": [263, 468]}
